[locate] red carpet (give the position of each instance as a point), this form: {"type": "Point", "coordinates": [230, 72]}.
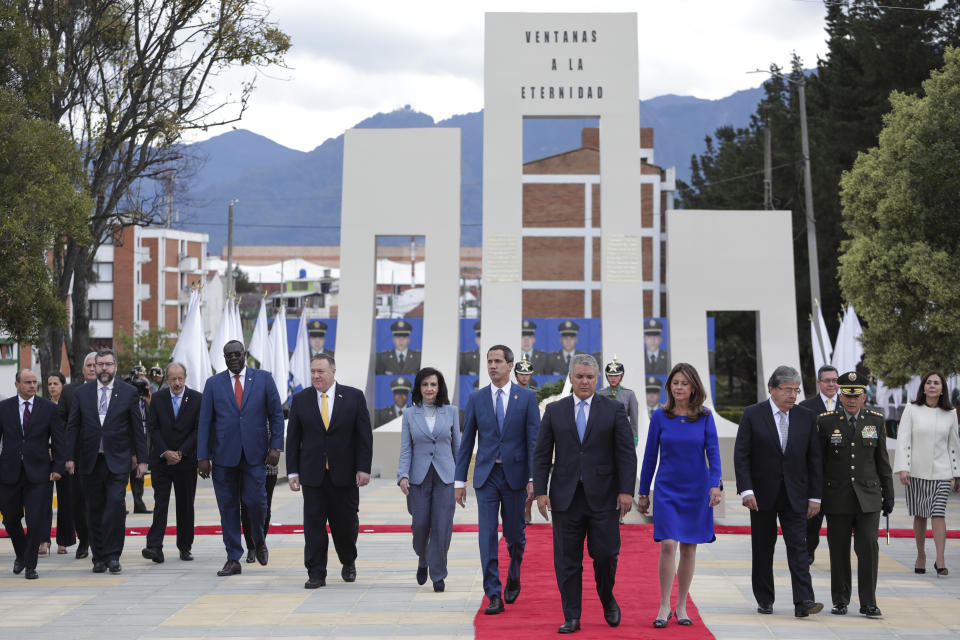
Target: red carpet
{"type": "Point", "coordinates": [537, 613]}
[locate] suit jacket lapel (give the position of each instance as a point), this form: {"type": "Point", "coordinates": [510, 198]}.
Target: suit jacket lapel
{"type": "Point", "coordinates": [591, 420]}
{"type": "Point", "coordinates": [337, 409]}
{"type": "Point", "coordinates": [419, 419]}
{"type": "Point", "coordinates": [114, 402]}
{"type": "Point", "coordinates": [772, 428]}
{"type": "Point", "coordinates": [248, 386]}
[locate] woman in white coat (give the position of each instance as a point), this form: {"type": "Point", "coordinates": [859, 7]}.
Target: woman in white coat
{"type": "Point", "coordinates": [429, 440]}
{"type": "Point", "coordinates": [928, 463]}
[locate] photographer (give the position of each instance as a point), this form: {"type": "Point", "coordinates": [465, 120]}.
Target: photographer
{"type": "Point", "coordinates": [138, 378]}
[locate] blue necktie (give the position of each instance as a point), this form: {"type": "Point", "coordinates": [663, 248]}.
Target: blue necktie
{"type": "Point", "coordinates": [500, 410]}
{"type": "Point", "coordinates": [176, 406]}
{"type": "Point", "coordinates": [582, 419]}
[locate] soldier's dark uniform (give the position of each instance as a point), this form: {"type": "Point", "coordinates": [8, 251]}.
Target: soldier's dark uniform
{"type": "Point", "coordinates": [470, 360]}
{"type": "Point", "coordinates": [857, 486]}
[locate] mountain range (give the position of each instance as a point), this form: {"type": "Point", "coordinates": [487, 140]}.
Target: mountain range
{"type": "Point", "coordinates": [286, 196]}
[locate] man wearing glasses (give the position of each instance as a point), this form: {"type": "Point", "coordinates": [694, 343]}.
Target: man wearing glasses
{"type": "Point", "coordinates": [779, 473]}
{"type": "Point", "coordinates": [828, 383]}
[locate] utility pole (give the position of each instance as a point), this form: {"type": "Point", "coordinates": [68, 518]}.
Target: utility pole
{"type": "Point", "coordinates": [230, 248]}
{"type": "Point", "coordinates": [812, 258]}
{"type": "Point", "coordinates": [767, 166]}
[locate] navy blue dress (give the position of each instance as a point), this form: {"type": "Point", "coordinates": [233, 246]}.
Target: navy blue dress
{"type": "Point", "coordinates": [681, 502]}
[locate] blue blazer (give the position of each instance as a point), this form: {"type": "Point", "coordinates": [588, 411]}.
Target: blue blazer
{"type": "Point", "coordinates": [122, 429]}
{"type": "Point", "coordinates": [226, 432]}
{"type": "Point", "coordinates": [516, 445]}
{"type": "Point", "coordinates": [420, 448]}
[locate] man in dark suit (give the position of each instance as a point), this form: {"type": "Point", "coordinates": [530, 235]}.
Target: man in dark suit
{"type": "Point", "coordinates": [78, 505]}
{"type": "Point", "coordinates": [779, 473]}
{"type": "Point", "coordinates": [591, 487]}
{"type": "Point", "coordinates": [503, 418]}
{"type": "Point", "coordinates": [401, 394]}
{"type": "Point", "coordinates": [329, 454]}
{"type": "Point", "coordinates": [825, 400]}
{"type": "Point", "coordinates": [30, 429]}
{"type": "Point", "coordinates": [470, 360]}
{"type": "Point", "coordinates": [173, 419]}
{"type": "Point", "coordinates": [240, 407]}
{"type": "Point", "coordinates": [558, 362]}
{"type": "Point", "coordinates": [528, 338]}
{"type": "Point", "coordinates": [401, 359]}
{"type": "Point", "coordinates": [105, 433]}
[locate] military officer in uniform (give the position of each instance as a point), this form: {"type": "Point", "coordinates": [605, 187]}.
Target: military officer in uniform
{"type": "Point", "coordinates": [401, 392]}
{"type": "Point", "coordinates": [470, 360]}
{"type": "Point", "coordinates": [614, 374]}
{"type": "Point", "coordinates": [401, 359]}
{"type": "Point", "coordinates": [317, 330]}
{"type": "Point", "coordinates": [558, 362]}
{"type": "Point", "coordinates": [653, 394]}
{"type": "Point", "coordinates": [528, 338]}
{"type": "Point", "coordinates": [857, 487]}
{"type": "Point", "coordinates": [657, 360]}
{"type": "Point", "coordinates": [523, 372]}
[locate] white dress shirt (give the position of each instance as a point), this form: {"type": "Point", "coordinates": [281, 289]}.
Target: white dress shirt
{"type": "Point", "coordinates": [776, 410]}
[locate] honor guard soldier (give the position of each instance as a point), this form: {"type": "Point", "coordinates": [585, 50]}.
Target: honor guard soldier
{"type": "Point", "coordinates": [470, 360]}
{"type": "Point", "coordinates": [528, 338]}
{"type": "Point", "coordinates": [614, 374]}
{"type": "Point", "coordinates": [401, 359]}
{"type": "Point", "coordinates": [857, 487]}
{"type": "Point", "coordinates": [523, 372]}
{"type": "Point", "coordinates": [653, 394]}
{"type": "Point", "coordinates": [317, 332]}
{"type": "Point", "coordinates": [401, 393]}
{"type": "Point", "coordinates": [657, 360]}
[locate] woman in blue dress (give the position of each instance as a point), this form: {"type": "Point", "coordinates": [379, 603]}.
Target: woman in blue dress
{"type": "Point", "coordinates": [684, 437]}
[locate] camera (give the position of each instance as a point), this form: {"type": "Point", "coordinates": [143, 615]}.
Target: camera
{"type": "Point", "coordinates": [142, 386]}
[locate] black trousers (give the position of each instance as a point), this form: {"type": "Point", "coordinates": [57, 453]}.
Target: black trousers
{"type": "Point", "coordinates": [813, 533]}
{"type": "Point", "coordinates": [24, 498]}
{"type": "Point", "coordinates": [270, 483]}
{"type": "Point", "coordinates": [339, 507]}
{"type": "Point", "coordinates": [106, 496]}
{"type": "Point", "coordinates": [602, 531]}
{"type": "Point", "coordinates": [78, 508]}
{"type": "Point", "coordinates": [763, 541]}
{"type": "Point", "coordinates": [864, 528]}
{"type": "Point", "coordinates": [136, 490]}
{"type": "Point", "coordinates": [182, 477]}
{"type": "Point", "coordinates": [65, 531]}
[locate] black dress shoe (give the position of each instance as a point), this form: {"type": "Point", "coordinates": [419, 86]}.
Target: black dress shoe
{"type": "Point", "coordinates": [421, 575]}
{"type": "Point", "coordinates": [439, 586]}
{"type": "Point", "coordinates": [570, 626]}
{"type": "Point", "coordinates": [839, 610]}
{"type": "Point", "coordinates": [230, 568]}
{"type": "Point", "coordinates": [142, 508]}
{"type": "Point", "coordinates": [251, 556]}
{"type": "Point", "coordinates": [807, 607]}
{"type": "Point", "coordinates": [315, 583]}
{"type": "Point", "coordinates": [82, 552]}
{"type": "Point", "coordinates": [512, 591]}
{"type": "Point", "coordinates": [151, 553]}
{"type": "Point", "coordinates": [765, 609]}
{"type": "Point", "coordinates": [185, 555]}
{"type": "Point", "coordinates": [114, 566]}
{"type": "Point", "coordinates": [99, 567]}
{"type": "Point", "coordinates": [18, 566]}
{"type": "Point", "coordinates": [263, 554]}
{"type": "Point", "coordinates": [611, 613]}
{"type": "Point", "coordinates": [349, 572]}
{"type": "Point", "coordinates": [496, 606]}
{"type": "Point", "coordinates": [871, 611]}
{"type": "Point", "coordinates": [31, 574]}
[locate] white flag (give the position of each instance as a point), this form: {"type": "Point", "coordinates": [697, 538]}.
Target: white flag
{"type": "Point", "coordinates": [822, 351]}
{"type": "Point", "coordinates": [300, 361]}
{"type": "Point", "coordinates": [279, 357]}
{"type": "Point", "coordinates": [237, 333]}
{"type": "Point", "coordinates": [191, 348]}
{"type": "Point", "coordinates": [258, 341]}
{"type": "Point", "coordinates": [848, 350]}
{"type": "Point", "coordinates": [226, 332]}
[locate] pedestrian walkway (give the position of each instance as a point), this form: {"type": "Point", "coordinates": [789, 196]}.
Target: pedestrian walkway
{"type": "Point", "coordinates": [187, 600]}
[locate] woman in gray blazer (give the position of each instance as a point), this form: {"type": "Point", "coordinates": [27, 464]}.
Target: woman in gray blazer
{"type": "Point", "coordinates": [429, 440]}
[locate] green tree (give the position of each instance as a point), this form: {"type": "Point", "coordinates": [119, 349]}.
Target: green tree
{"type": "Point", "coordinates": [900, 204]}
{"type": "Point", "coordinates": [143, 346]}
{"type": "Point", "coordinates": [42, 207]}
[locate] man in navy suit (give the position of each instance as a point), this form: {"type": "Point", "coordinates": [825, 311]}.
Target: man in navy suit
{"type": "Point", "coordinates": [28, 426]}
{"type": "Point", "coordinates": [329, 453]}
{"type": "Point", "coordinates": [173, 418]}
{"type": "Point", "coordinates": [241, 429]}
{"type": "Point", "coordinates": [591, 488]}
{"type": "Point", "coordinates": [779, 472]}
{"type": "Point", "coordinates": [504, 419]}
{"type": "Point", "coordinates": [105, 435]}
{"type": "Point", "coordinates": [828, 384]}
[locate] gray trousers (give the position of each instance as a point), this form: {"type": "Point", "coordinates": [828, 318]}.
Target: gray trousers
{"type": "Point", "coordinates": [431, 504]}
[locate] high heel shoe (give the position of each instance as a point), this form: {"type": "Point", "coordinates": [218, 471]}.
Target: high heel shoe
{"type": "Point", "coordinates": [941, 571]}
{"type": "Point", "coordinates": [660, 623]}
{"type": "Point", "coordinates": [684, 622]}
{"type": "Point", "coordinates": [919, 570]}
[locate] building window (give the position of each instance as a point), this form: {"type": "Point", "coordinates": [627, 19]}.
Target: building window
{"type": "Point", "coordinates": [103, 271]}
{"type": "Point", "coordinates": [8, 352]}
{"type": "Point", "coordinates": [101, 309]}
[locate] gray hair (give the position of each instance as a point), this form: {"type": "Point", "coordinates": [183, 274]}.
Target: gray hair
{"type": "Point", "coordinates": [584, 358]}
{"type": "Point", "coordinates": [92, 354]}
{"type": "Point", "coordinates": [174, 363]}
{"type": "Point", "coordinates": [325, 356]}
{"type": "Point", "coordinates": [782, 374]}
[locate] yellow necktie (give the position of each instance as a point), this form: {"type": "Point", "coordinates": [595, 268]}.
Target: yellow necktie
{"type": "Point", "coordinates": [829, 404]}
{"type": "Point", "coordinates": [324, 411]}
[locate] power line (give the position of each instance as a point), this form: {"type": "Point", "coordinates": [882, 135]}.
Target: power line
{"type": "Point", "coordinates": [846, 3]}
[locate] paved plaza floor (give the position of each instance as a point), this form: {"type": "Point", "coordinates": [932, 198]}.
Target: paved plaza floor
{"type": "Point", "coordinates": [187, 600]}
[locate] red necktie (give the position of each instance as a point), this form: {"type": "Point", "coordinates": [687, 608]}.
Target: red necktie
{"type": "Point", "coordinates": [237, 389]}
{"type": "Point", "coordinates": [26, 417]}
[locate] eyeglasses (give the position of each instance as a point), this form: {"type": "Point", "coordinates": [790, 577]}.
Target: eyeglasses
{"type": "Point", "coordinates": [830, 380]}
{"type": "Point", "coordinates": [790, 391]}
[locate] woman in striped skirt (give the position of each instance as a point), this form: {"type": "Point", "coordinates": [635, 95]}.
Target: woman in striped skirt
{"type": "Point", "coordinates": [928, 463]}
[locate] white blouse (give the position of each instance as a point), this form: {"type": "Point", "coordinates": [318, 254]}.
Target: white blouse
{"type": "Point", "coordinates": [928, 443]}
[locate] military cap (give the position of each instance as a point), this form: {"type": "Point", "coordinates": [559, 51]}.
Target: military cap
{"type": "Point", "coordinates": [614, 368]}
{"type": "Point", "coordinates": [139, 369]}
{"type": "Point", "coordinates": [652, 327]}
{"type": "Point", "coordinates": [317, 328]}
{"type": "Point", "coordinates": [476, 327]}
{"type": "Point", "coordinates": [524, 367]}
{"type": "Point", "coordinates": [400, 385]}
{"type": "Point", "coordinates": [528, 328]}
{"type": "Point", "coordinates": [568, 328]}
{"type": "Point", "coordinates": [401, 328]}
{"type": "Point", "coordinates": [853, 384]}
{"type": "Point", "coordinates": [653, 384]}
{"type": "Point", "coordinates": [156, 370]}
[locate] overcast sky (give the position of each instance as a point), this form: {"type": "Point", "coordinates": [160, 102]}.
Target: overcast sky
{"type": "Point", "coordinates": [350, 60]}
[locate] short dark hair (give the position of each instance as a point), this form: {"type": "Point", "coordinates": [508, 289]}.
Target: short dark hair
{"type": "Point", "coordinates": [229, 342]}
{"type": "Point", "coordinates": [106, 352]}
{"type": "Point", "coordinates": [442, 395]}
{"type": "Point", "coordinates": [324, 356]}
{"type": "Point", "coordinates": [55, 374]}
{"type": "Point", "coordinates": [944, 400]}
{"type": "Point", "coordinates": [825, 368]}
{"type": "Point", "coordinates": [507, 351]}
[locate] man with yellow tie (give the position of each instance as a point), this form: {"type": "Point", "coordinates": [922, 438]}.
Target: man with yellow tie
{"type": "Point", "coordinates": [828, 383]}
{"type": "Point", "coordinates": [329, 453]}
